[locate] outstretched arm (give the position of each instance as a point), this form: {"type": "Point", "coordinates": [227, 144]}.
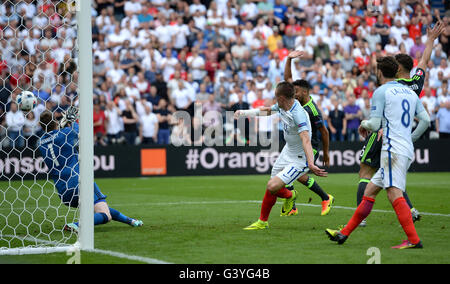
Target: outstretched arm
{"type": "Point", "coordinates": [287, 67]}
{"type": "Point", "coordinates": [262, 111]}
{"type": "Point", "coordinates": [432, 35]}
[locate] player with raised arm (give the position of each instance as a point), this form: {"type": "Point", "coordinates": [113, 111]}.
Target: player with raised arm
{"type": "Point", "coordinates": [370, 154]}
{"type": "Point", "coordinates": [295, 159]}
{"type": "Point", "coordinates": [394, 107]}
{"type": "Point", "coordinates": [302, 89]}
{"type": "Point", "coordinates": [58, 147]}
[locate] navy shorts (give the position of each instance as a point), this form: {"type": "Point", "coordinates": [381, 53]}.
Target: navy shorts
{"type": "Point", "coordinates": [70, 197]}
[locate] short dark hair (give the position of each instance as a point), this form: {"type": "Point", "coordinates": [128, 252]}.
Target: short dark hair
{"type": "Point", "coordinates": [405, 61]}
{"type": "Point", "coordinates": [388, 66]}
{"type": "Point", "coordinates": [47, 122]}
{"type": "Point", "coordinates": [302, 84]}
{"type": "Point", "coordinates": [285, 89]}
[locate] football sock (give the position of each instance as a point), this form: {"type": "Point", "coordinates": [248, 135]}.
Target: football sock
{"type": "Point", "coordinates": [119, 217]}
{"type": "Point", "coordinates": [360, 214]}
{"type": "Point", "coordinates": [315, 187]}
{"type": "Point", "coordinates": [406, 197]}
{"type": "Point", "coordinates": [361, 188]}
{"type": "Point", "coordinates": [404, 217]}
{"type": "Point", "coordinates": [266, 206]}
{"type": "Point", "coordinates": [270, 200]}
{"type": "Point", "coordinates": [100, 218]}
{"type": "Point", "coordinates": [284, 193]}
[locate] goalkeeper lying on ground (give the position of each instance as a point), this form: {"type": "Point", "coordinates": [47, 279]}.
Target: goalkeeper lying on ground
{"type": "Point", "coordinates": [58, 147]}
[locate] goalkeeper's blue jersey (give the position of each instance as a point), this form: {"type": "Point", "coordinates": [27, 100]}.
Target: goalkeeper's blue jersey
{"type": "Point", "coordinates": [60, 153]}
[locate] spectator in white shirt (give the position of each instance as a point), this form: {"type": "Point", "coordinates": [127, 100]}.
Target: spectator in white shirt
{"type": "Point", "coordinates": [181, 97]}
{"type": "Point", "coordinates": [430, 103]}
{"type": "Point", "coordinates": [133, 6]}
{"type": "Point", "coordinates": [249, 10]}
{"type": "Point", "coordinates": [196, 64]}
{"type": "Point", "coordinates": [148, 130]}
{"type": "Point", "coordinates": [15, 120]}
{"type": "Point", "coordinates": [114, 122]}
{"type": "Point", "coordinates": [132, 92]}
{"type": "Point", "coordinates": [197, 6]}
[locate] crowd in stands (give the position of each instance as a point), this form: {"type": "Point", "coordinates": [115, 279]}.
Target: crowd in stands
{"type": "Point", "coordinates": [152, 58]}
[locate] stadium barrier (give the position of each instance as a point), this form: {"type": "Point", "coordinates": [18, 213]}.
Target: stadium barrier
{"type": "Point", "coordinates": [141, 161]}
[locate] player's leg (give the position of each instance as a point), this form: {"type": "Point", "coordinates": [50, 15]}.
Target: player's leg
{"type": "Point", "coordinates": [294, 210]}
{"type": "Point", "coordinates": [362, 211]}
{"type": "Point", "coordinates": [102, 215]}
{"type": "Point", "coordinates": [366, 172]}
{"type": "Point", "coordinates": [282, 174]}
{"type": "Point", "coordinates": [327, 199]}
{"type": "Point", "coordinates": [369, 164]}
{"type": "Point", "coordinates": [275, 188]}
{"type": "Point", "coordinates": [404, 217]}
{"type": "Point", "coordinates": [112, 213]}
{"type": "Point", "coordinates": [397, 181]}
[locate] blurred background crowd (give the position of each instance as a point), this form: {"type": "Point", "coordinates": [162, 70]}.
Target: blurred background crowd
{"type": "Point", "coordinates": [152, 58]}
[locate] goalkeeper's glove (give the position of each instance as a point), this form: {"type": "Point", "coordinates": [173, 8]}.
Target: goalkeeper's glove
{"type": "Point", "coordinates": [69, 116]}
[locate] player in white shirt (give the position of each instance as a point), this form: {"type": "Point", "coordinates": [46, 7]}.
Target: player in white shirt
{"type": "Point", "coordinates": [296, 158]}
{"type": "Point", "coordinates": [394, 107]}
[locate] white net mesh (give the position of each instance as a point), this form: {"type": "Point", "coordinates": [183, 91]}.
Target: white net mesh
{"type": "Point", "coordinates": [38, 53]}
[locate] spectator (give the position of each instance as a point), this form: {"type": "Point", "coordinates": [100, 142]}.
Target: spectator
{"type": "Point", "coordinates": [164, 116]}
{"type": "Point", "coordinates": [417, 49]}
{"type": "Point", "coordinates": [213, 111]}
{"type": "Point", "coordinates": [353, 116]}
{"type": "Point", "coordinates": [15, 120]}
{"type": "Point", "coordinates": [113, 123]}
{"type": "Point", "coordinates": [153, 98]}
{"type": "Point", "coordinates": [443, 121]}
{"type": "Point", "coordinates": [31, 130]}
{"type": "Point", "coordinates": [181, 97]}
{"type": "Point", "coordinates": [148, 127]}
{"type": "Point", "coordinates": [337, 121]}
{"type": "Point", "coordinates": [197, 64]}
{"type": "Point", "coordinates": [99, 125]}
{"type": "Point", "coordinates": [142, 49]}
{"type": "Point", "coordinates": [431, 105]}
{"type": "Point", "coordinates": [130, 120]}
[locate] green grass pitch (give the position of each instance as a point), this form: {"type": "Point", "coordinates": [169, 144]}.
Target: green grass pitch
{"type": "Point", "coordinates": [200, 220]}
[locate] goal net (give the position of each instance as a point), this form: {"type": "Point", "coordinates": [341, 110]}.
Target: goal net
{"type": "Point", "coordinates": [39, 52]}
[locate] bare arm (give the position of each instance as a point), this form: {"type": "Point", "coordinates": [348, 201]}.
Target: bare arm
{"type": "Point", "coordinates": [262, 111]}
{"type": "Point", "coordinates": [325, 144]}
{"type": "Point", "coordinates": [287, 67]}
{"type": "Point", "coordinates": [432, 35]}
{"type": "Point", "coordinates": [306, 142]}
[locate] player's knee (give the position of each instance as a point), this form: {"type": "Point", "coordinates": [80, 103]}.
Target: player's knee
{"type": "Point", "coordinates": [366, 171]}
{"type": "Point", "coordinates": [272, 187]}
{"type": "Point", "coordinates": [303, 179]}
{"type": "Point", "coordinates": [108, 215]}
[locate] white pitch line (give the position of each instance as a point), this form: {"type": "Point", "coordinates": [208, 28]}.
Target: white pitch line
{"type": "Point", "coordinates": [258, 201]}
{"type": "Point", "coordinates": [100, 251]}
{"type": "Point", "coordinates": [236, 202]}
{"type": "Point", "coordinates": [130, 257]}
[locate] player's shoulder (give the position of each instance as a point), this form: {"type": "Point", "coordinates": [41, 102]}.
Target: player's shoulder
{"type": "Point", "coordinates": [311, 108]}
{"type": "Point", "coordinates": [419, 72]}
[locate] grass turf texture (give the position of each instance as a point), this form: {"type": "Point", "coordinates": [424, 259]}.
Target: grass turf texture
{"type": "Point", "coordinates": [200, 220]}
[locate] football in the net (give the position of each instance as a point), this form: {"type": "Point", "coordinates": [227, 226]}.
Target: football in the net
{"type": "Point", "coordinates": [26, 101]}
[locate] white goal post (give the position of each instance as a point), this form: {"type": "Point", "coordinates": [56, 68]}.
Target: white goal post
{"type": "Point", "coordinates": [31, 214]}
